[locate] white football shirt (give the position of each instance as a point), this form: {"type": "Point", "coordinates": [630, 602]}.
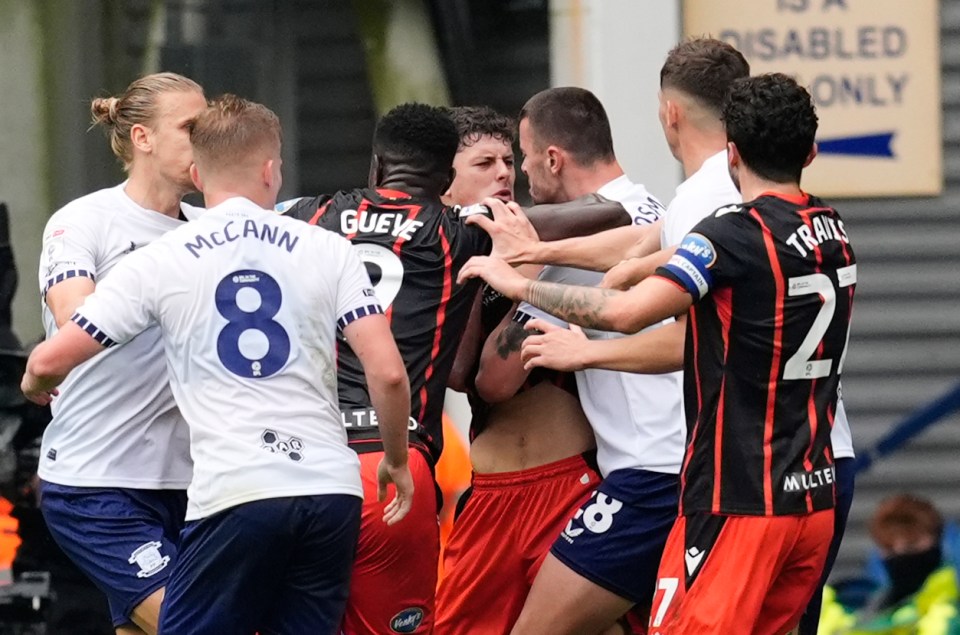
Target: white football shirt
{"type": "Point", "coordinates": [248, 303]}
{"type": "Point", "coordinates": [707, 190]}
{"type": "Point", "coordinates": [115, 423]}
{"type": "Point", "coordinates": [638, 420]}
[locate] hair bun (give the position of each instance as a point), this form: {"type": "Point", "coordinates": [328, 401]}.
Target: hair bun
{"type": "Point", "coordinates": [105, 110]}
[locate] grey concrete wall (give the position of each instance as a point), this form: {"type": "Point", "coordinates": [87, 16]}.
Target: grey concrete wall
{"type": "Point", "coordinates": [23, 164]}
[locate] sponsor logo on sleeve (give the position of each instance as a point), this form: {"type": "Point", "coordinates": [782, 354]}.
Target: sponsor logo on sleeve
{"type": "Point", "coordinates": [700, 247]}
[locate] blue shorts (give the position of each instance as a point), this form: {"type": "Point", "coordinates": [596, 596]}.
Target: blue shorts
{"type": "Point", "coordinates": [124, 540]}
{"type": "Point", "coordinates": [616, 538]}
{"type": "Point", "coordinates": [278, 565]}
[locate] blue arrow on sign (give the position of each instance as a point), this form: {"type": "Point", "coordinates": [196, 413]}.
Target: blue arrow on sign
{"type": "Point", "coordinates": [872, 145]}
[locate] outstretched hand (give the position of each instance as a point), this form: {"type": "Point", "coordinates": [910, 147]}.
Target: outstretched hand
{"type": "Point", "coordinates": [497, 273]}
{"type": "Point", "coordinates": [401, 478]}
{"type": "Point", "coordinates": [555, 347]}
{"type": "Point", "coordinates": [512, 233]}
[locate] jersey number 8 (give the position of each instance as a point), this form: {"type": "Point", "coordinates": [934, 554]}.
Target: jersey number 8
{"type": "Point", "coordinates": [252, 344]}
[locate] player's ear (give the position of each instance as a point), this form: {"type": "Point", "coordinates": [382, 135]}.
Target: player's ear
{"type": "Point", "coordinates": [195, 177]}
{"type": "Point", "coordinates": [140, 137]}
{"type": "Point", "coordinates": [268, 174]}
{"type": "Point", "coordinates": [733, 155]}
{"type": "Point", "coordinates": [812, 155]}
{"type": "Point", "coordinates": [376, 171]}
{"type": "Point", "coordinates": [672, 114]}
{"type": "Point", "coordinates": [554, 159]}
{"type": "Point", "coordinates": [451, 175]}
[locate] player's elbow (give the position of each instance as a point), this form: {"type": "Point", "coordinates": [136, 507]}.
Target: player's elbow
{"type": "Point", "coordinates": [494, 388]}
{"type": "Point", "coordinates": [391, 377]}
{"type": "Point", "coordinates": [624, 320]}
{"type": "Point", "coordinates": [44, 365]}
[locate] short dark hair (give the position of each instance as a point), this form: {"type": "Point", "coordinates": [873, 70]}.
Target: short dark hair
{"type": "Point", "coordinates": [473, 122]}
{"type": "Point", "coordinates": [573, 119]}
{"type": "Point", "coordinates": [772, 120]}
{"type": "Point", "coordinates": [421, 135]}
{"type": "Point", "coordinates": [703, 68]}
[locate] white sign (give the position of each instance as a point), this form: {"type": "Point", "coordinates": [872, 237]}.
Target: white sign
{"type": "Point", "coordinates": [873, 68]}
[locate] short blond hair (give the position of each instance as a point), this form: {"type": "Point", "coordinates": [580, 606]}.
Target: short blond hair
{"type": "Point", "coordinates": [136, 105]}
{"type": "Point", "coordinates": [230, 130]}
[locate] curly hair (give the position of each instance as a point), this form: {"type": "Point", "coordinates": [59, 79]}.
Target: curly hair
{"type": "Point", "coordinates": [573, 119]}
{"type": "Point", "coordinates": [421, 135]}
{"type": "Point", "coordinates": [474, 122]}
{"type": "Point", "coordinates": [772, 121]}
{"type": "Point", "coordinates": [703, 68]}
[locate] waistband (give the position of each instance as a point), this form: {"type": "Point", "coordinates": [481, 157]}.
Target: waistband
{"type": "Point", "coordinates": [521, 478]}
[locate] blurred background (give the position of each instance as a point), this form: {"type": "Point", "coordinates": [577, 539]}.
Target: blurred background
{"type": "Point", "coordinates": [887, 83]}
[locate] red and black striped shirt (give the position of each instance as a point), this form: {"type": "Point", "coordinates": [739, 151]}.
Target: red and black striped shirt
{"type": "Point", "coordinates": [413, 250]}
{"type": "Point", "coordinates": [773, 283]}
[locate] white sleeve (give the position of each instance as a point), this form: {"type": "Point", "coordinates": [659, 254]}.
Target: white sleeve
{"type": "Point", "coordinates": [123, 305]}
{"type": "Point", "coordinates": [681, 217]}
{"type": "Point", "coordinates": [355, 295]}
{"type": "Point", "coordinates": [69, 250]}
{"type": "Point", "coordinates": [841, 438]}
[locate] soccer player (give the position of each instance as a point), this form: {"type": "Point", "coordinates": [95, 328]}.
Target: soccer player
{"type": "Point", "coordinates": [414, 247]}
{"type": "Point", "coordinates": [249, 303]}
{"type": "Point", "coordinates": [585, 584]}
{"type": "Point", "coordinates": [769, 285]}
{"type": "Point", "coordinates": [115, 462]}
{"type": "Point", "coordinates": [693, 83]}
{"type": "Point", "coordinates": [525, 450]}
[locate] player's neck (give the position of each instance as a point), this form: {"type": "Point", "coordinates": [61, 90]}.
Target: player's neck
{"type": "Point", "coordinates": [698, 146]}
{"type": "Point", "coordinates": [213, 196]}
{"type": "Point", "coordinates": [581, 181]}
{"type": "Point", "coordinates": [753, 186]}
{"type": "Point", "coordinates": [154, 194]}
{"type": "Point", "coordinates": [410, 181]}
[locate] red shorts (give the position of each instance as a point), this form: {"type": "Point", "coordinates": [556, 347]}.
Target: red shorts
{"type": "Point", "coordinates": [395, 575]}
{"type": "Point", "coordinates": [500, 540]}
{"type": "Point", "coordinates": [739, 574]}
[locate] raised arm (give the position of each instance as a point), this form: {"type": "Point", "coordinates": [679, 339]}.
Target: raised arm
{"type": "Point", "coordinates": [520, 237]}
{"type": "Point", "coordinates": [370, 338]}
{"type": "Point", "coordinates": [501, 372]}
{"type": "Point", "coordinates": [651, 301]}
{"type": "Point", "coordinates": [650, 352]}
{"type": "Point", "coordinates": [469, 349]}
{"type": "Point", "coordinates": [580, 217]}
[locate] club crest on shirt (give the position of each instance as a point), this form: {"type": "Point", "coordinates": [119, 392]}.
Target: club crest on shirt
{"type": "Point", "coordinates": [148, 557]}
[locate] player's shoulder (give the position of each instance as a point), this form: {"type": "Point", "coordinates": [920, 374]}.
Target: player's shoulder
{"type": "Point", "coordinates": [96, 207]}
{"type": "Point", "coordinates": [191, 212]}
{"type": "Point", "coordinates": [639, 202]}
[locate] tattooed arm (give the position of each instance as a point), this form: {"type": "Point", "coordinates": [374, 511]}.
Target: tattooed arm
{"type": "Point", "coordinates": [649, 302]}
{"type": "Point", "coordinates": [501, 372]}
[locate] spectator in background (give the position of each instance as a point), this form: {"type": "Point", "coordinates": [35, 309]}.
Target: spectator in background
{"type": "Point", "coordinates": [921, 597]}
